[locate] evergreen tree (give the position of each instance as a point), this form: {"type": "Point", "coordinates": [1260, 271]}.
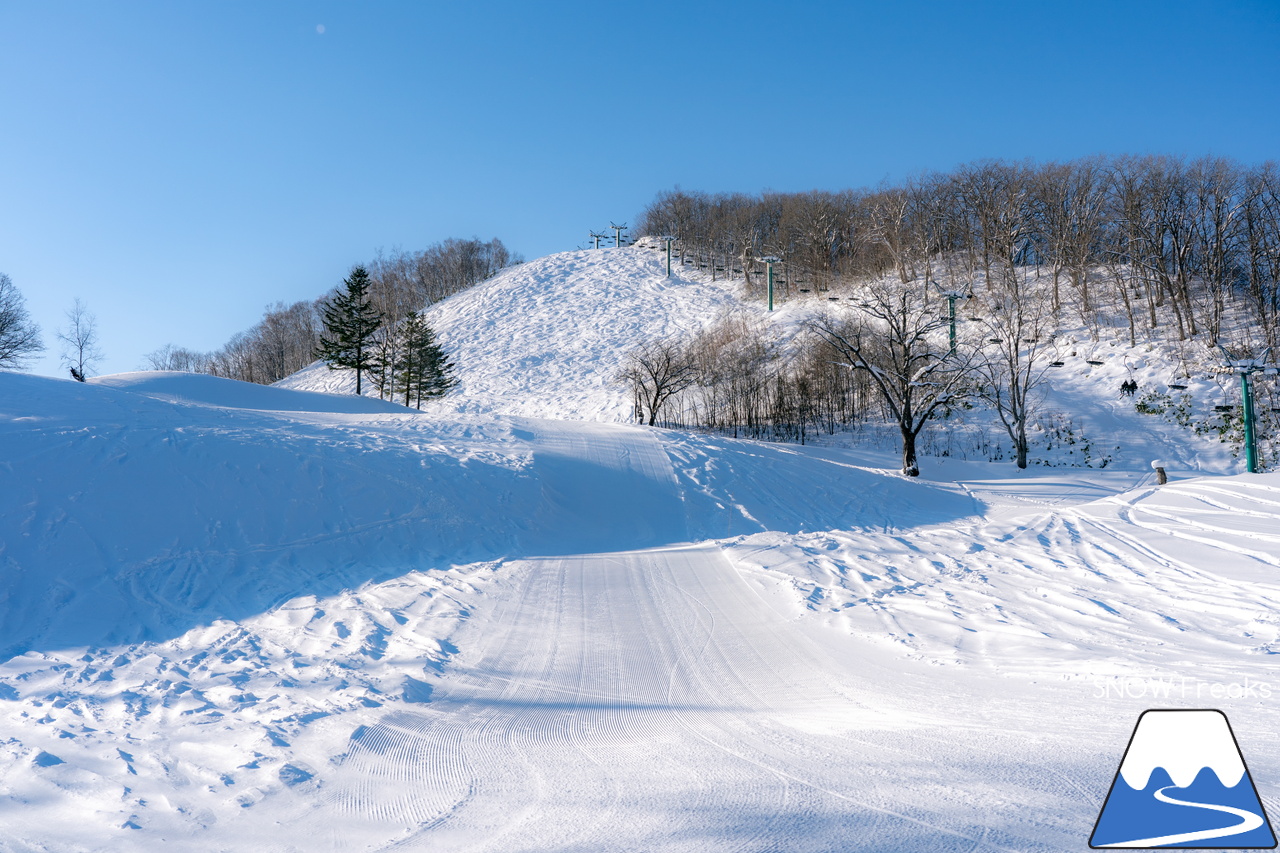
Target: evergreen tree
{"type": "Point", "coordinates": [384, 362]}
{"type": "Point", "coordinates": [350, 322]}
{"type": "Point", "coordinates": [423, 369]}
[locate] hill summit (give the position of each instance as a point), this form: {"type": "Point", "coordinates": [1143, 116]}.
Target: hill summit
{"type": "Point", "coordinates": [545, 338]}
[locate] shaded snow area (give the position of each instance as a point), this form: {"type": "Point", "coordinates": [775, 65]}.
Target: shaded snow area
{"type": "Point", "coordinates": [237, 618]}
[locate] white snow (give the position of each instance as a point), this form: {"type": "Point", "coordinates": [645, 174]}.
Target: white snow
{"type": "Point", "coordinates": [547, 338]}
{"type": "Point", "coordinates": [239, 618]}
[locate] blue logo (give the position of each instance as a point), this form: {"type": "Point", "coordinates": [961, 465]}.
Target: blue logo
{"type": "Point", "coordinates": [1183, 783]}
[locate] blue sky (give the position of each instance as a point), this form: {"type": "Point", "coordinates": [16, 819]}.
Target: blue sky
{"type": "Point", "coordinates": [180, 165]}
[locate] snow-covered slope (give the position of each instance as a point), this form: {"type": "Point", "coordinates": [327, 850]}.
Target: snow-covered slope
{"type": "Point", "coordinates": [211, 391]}
{"type": "Point", "coordinates": [242, 618]}
{"type": "Point", "coordinates": [546, 338]}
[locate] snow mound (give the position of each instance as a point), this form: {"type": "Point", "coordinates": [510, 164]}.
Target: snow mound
{"type": "Point", "coordinates": [144, 508]}
{"type": "Point", "coordinates": [546, 338]}
{"type": "Point", "coordinates": [202, 390]}
{"type": "Point", "coordinates": [140, 518]}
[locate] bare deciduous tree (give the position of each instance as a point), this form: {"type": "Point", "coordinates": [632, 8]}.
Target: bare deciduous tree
{"type": "Point", "coordinates": [893, 340]}
{"type": "Point", "coordinates": [1015, 354]}
{"type": "Point", "coordinates": [79, 338]}
{"type": "Point", "coordinates": [170, 357]}
{"type": "Point", "coordinates": [19, 337]}
{"type": "Point", "coordinates": [656, 373]}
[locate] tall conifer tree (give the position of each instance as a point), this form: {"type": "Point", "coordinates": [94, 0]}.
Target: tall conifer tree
{"type": "Point", "coordinates": [350, 322]}
{"type": "Point", "coordinates": [423, 369]}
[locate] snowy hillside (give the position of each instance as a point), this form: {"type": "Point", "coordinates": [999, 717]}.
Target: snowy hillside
{"type": "Point", "coordinates": [546, 338]}
{"type": "Point", "coordinates": [240, 618]}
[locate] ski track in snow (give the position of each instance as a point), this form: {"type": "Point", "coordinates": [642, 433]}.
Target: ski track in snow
{"type": "Point", "coordinates": [240, 618]}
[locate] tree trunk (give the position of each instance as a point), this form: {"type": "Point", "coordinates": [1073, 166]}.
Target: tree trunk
{"type": "Point", "coordinates": [910, 467]}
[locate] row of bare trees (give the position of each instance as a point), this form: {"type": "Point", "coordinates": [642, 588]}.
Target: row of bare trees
{"type": "Point", "coordinates": [281, 343]}
{"type": "Point", "coordinates": [739, 378]}
{"type": "Point", "coordinates": [401, 283]}
{"type": "Point", "coordinates": [1144, 243]}
{"type": "Point", "coordinates": [890, 358]}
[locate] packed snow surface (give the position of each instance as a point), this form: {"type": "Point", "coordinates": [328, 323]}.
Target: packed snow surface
{"type": "Point", "coordinates": [238, 618]}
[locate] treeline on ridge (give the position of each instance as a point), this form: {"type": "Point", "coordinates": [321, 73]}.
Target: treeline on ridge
{"type": "Point", "coordinates": [284, 341]}
{"type": "Point", "coordinates": [1150, 241]}
{"type": "Point", "coordinates": [1147, 249]}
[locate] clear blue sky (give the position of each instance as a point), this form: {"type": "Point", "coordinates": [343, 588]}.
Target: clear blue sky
{"type": "Point", "coordinates": [180, 165]}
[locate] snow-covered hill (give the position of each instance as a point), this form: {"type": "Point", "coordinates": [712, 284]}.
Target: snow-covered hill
{"type": "Point", "coordinates": [243, 618]}
{"type": "Point", "coordinates": [546, 338]}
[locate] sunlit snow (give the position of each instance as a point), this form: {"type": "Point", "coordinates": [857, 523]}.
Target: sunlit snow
{"type": "Point", "coordinates": [269, 619]}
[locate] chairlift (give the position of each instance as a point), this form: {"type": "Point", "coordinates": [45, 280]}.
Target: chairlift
{"type": "Point", "coordinates": [995, 340]}
{"type": "Point", "coordinates": [1224, 408]}
{"type": "Point", "coordinates": [804, 290]}
{"type": "Point", "coordinates": [1056, 363]}
{"type": "Point", "coordinates": [1175, 386]}
{"type": "Point", "coordinates": [1030, 340]}
{"type": "Point", "coordinates": [834, 298]}
{"type": "Point", "coordinates": [1093, 361]}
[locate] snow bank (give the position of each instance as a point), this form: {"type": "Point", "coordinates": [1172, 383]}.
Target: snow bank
{"type": "Point", "coordinates": [202, 390]}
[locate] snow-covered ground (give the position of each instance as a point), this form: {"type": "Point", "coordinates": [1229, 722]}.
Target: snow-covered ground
{"type": "Point", "coordinates": [269, 619]}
